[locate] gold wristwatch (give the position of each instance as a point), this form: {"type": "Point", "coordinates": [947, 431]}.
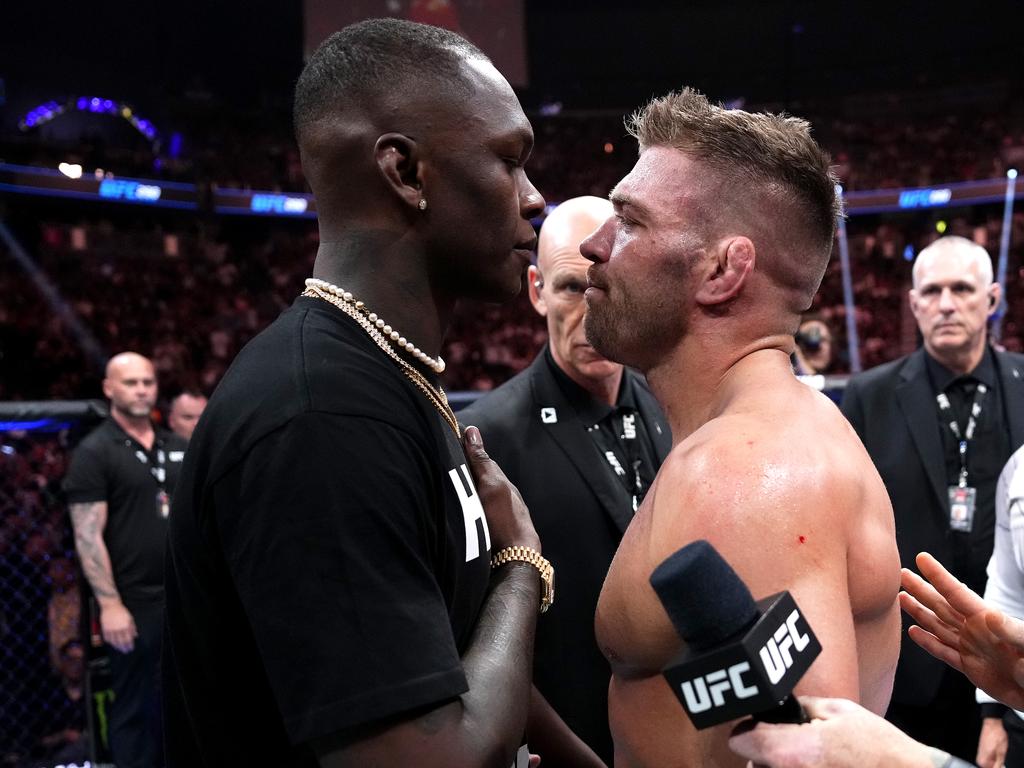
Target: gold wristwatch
{"type": "Point", "coordinates": [534, 558]}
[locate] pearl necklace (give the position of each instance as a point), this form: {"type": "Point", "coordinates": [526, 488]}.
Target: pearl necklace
{"type": "Point", "coordinates": [436, 396]}
{"type": "Point", "coordinates": [436, 365]}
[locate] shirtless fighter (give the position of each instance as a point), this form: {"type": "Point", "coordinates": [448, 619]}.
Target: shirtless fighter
{"type": "Point", "coordinates": [720, 237]}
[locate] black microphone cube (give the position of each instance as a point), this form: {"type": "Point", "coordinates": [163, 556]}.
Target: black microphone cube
{"type": "Point", "coordinates": [749, 674]}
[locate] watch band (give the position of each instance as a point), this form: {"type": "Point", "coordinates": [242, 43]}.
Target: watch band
{"type": "Point", "coordinates": [534, 558]}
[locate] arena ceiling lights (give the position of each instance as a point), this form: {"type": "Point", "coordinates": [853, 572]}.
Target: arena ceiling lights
{"type": "Point", "coordinates": [51, 110]}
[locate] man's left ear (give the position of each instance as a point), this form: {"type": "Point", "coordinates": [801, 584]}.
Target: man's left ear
{"type": "Point", "coordinates": [995, 292]}
{"type": "Point", "coordinates": [398, 160]}
{"type": "Point", "coordinates": [534, 282]}
{"type": "Point", "coordinates": [735, 262]}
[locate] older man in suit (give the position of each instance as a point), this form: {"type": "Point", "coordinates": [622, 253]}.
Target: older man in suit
{"type": "Point", "coordinates": [940, 425]}
{"type": "Point", "coordinates": [582, 438]}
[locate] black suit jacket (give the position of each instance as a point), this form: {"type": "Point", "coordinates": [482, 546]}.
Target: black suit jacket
{"type": "Point", "coordinates": [580, 510]}
{"type": "Point", "coordinates": [893, 409]}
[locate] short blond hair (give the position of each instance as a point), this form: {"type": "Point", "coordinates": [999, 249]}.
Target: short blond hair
{"type": "Point", "coordinates": [752, 152]}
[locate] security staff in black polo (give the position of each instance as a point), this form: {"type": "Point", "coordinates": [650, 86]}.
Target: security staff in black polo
{"type": "Point", "coordinates": [119, 488]}
{"type": "Point", "coordinates": [582, 438]}
{"type": "Point", "coordinates": [940, 425]}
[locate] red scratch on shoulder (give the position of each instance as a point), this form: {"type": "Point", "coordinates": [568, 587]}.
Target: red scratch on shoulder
{"type": "Point", "coordinates": [802, 538]}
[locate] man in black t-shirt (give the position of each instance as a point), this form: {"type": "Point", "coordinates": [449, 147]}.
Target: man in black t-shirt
{"type": "Point", "coordinates": [348, 582]}
{"type": "Point", "coordinates": [119, 488]}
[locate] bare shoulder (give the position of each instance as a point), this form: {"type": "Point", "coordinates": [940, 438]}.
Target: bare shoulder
{"type": "Point", "coordinates": [783, 489]}
{"type": "Point", "coordinates": [766, 483]}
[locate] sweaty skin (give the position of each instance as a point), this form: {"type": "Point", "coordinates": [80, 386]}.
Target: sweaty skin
{"type": "Point", "coordinates": [753, 480]}
{"type": "Point", "coordinates": [765, 468]}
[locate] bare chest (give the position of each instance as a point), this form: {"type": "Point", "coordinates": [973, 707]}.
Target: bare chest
{"type": "Point", "coordinates": [633, 630]}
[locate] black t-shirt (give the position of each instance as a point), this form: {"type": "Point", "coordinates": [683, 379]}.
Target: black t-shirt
{"type": "Point", "coordinates": [328, 554]}
{"type": "Point", "coordinates": [109, 465]}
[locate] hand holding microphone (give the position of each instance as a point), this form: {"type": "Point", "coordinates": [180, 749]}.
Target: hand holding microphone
{"type": "Point", "coordinates": [842, 734]}
{"type": "Point", "coordinates": [956, 626]}
{"type": "Point", "coordinates": [745, 658]}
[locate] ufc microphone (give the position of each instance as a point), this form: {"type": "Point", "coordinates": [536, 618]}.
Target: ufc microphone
{"type": "Point", "coordinates": [742, 658]}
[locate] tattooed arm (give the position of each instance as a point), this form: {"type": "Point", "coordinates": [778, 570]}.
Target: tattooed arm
{"type": "Point", "coordinates": [89, 520]}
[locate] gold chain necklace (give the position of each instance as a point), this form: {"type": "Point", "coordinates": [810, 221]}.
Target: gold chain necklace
{"type": "Point", "coordinates": [435, 395]}
{"type": "Point", "coordinates": [435, 364]}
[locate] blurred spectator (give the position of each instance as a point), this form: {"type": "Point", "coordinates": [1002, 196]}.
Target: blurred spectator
{"type": "Point", "coordinates": [64, 613]}
{"type": "Point", "coordinates": [183, 414]}
{"type": "Point", "coordinates": [813, 354]}
{"type": "Point", "coordinates": [62, 720]}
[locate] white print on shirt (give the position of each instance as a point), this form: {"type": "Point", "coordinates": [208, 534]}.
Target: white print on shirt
{"type": "Point", "coordinates": [472, 510]}
{"type": "Point", "coordinates": [158, 472]}
{"type": "Point", "coordinates": [614, 461]}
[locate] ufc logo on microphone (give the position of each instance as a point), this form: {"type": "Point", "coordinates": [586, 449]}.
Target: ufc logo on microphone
{"type": "Point", "coordinates": [703, 693]}
{"type": "Point", "coordinates": [775, 655]}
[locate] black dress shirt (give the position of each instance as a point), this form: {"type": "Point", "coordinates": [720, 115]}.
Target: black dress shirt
{"type": "Point", "coordinates": [618, 431]}
{"type": "Point", "coordinates": [988, 450]}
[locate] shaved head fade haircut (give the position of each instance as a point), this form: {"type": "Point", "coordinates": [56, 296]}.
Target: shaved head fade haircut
{"type": "Point", "coordinates": [762, 157]}
{"type": "Point", "coordinates": [374, 57]}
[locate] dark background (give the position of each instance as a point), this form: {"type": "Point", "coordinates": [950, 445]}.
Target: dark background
{"type": "Point", "coordinates": [597, 54]}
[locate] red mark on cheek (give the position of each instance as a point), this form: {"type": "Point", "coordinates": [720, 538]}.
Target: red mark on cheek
{"type": "Point", "coordinates": [802, 539]}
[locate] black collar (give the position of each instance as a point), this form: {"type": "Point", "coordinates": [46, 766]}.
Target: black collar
{"type": "Point", "coordinates": [590, 410]}
{"type": "Point", "coordinates": [941, 377]}
{"type": "Point", "coordinates": [115, 432]}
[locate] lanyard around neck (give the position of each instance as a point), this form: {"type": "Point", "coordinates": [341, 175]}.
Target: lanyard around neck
{"type": "Point", "coordinates": [968, 434]}
{"type": "Point", "coordinates": [155, 459]}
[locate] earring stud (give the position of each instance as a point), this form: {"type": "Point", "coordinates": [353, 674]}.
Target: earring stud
{"type": "Point", "coordinates": [423, 204]}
